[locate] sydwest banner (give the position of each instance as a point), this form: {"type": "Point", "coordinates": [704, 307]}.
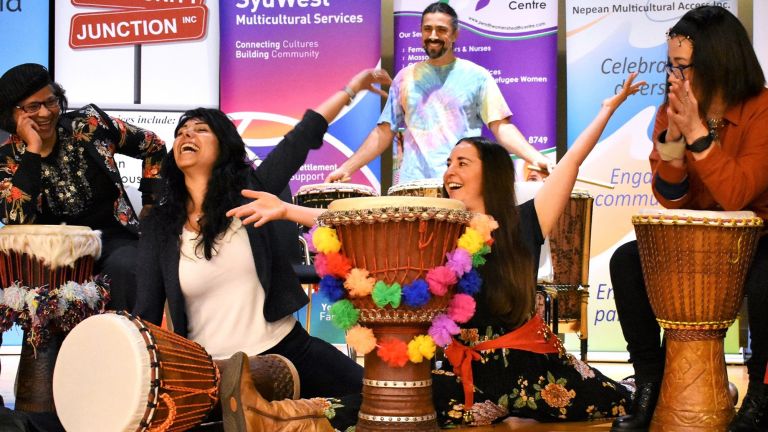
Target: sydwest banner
{"type": "Point", "coordinates": [515, 41]}
{"type": "Point", "coordinates": [606, 41]}
{"type": "Point", "coordinates": [280, 58]}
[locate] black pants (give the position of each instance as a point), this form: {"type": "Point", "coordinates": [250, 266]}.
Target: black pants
{"type": "Point", "coordinates": [324, 371]}
{"type": "Point", "coordinates": [118, 264]}
{"type": "Point", "coordinates": [642, 333]}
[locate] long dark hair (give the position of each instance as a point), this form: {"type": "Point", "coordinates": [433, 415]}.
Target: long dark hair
{"type": "Point", "coordinates": [228, 177]}
{"type": "Point", "coordinates": [441, 7]}
{"type": "Point", "coordinates": [508, 274]}
{"type": "Point", "coordinates": [723, 57]}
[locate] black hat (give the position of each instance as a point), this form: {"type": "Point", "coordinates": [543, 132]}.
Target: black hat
{"type": "Point", "coordinates": [19, 83]}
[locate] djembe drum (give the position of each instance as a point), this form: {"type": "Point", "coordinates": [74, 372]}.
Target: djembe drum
{"type": "Point", "coordinates": [322, 194]}
{"type": "Point", "coordinates": [397, 239]}
{"type": "Point", "coordinates": [431, 188]}
{"type": "Point", "coordinates": [44, 256]}
{"type": "Point", "coordinates": [694, 265]}
{"type": "Point", "coordinates": [116, 372]}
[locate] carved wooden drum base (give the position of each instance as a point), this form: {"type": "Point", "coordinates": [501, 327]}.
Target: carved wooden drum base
{"type": "Point", "coordinates": [397, 399]}
{"type": "Point", "coordinates": [694, 392]}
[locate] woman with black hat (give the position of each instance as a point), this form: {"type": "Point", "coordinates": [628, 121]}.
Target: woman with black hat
{"type": "Point", "coordinates": [58, 167]}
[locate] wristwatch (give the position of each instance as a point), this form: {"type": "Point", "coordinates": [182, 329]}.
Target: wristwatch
{"type": "Point", "coordinates": [701, 144]}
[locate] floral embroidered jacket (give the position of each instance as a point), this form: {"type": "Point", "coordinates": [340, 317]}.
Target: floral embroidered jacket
{"type": "Point", "coordinates": [101, 136]}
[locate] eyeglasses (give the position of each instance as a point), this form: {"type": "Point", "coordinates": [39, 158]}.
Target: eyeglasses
{"type": "Point", "coordinates": [677, 71]}
{"type": "Point", "coordinates": [33, 107]}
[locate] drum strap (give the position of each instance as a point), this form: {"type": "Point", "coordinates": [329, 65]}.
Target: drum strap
{"type": "Point", "coordinates": [533, 336]}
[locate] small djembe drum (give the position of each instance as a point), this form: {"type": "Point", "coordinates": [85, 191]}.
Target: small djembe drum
{"type": "Point", "coordinates": [321, 195]}
{"type": "Point", "coordinates": [44, 256]}
{"type": "Point", "coordinates": [116, 372]}
{"type": "Point", "coordinates": [431, 188]}
{"type": "Point", "coordinates": [694, 265]}
{"type": "Point", "coordinates": [397, 239]}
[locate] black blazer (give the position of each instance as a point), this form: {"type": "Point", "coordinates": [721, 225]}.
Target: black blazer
{"type": "Point", "coordinates": [158, 262]}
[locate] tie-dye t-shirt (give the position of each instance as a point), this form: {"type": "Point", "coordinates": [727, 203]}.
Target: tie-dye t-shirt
{"type": "Point", "coordinates": [437, 106]}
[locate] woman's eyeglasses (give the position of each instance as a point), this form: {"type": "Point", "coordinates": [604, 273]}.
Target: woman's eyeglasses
{"type": "Point", "coordinates": [677, 71]}
{"type": "Point", "coordinates": [34, 107]}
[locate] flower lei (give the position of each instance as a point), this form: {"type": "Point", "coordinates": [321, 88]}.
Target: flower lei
{"type": "Point", "coordinates": [340, 280]}
{"type": "Point", "coordinates": [39, 310]}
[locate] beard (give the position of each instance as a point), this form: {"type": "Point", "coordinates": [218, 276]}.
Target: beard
{"type": "Point", "coordinates": [435, 52]}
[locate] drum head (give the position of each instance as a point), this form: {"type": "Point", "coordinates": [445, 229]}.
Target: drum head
{"type": "Point", "coordinates": [102, 376]}
{"type": "Point", "coordinates": [366, 203]}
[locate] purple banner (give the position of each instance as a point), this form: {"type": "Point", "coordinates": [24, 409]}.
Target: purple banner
{"type": "Point", "coordinates": [518, 47]}
{"type": "Point", "coordinates": [280, 58]}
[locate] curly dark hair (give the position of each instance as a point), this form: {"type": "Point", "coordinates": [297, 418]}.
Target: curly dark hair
{"type": "Point", "coordinates": [509, 272]}
{"type": "Point", "coordinates": [229, 176]}
{"type": "Point", "coordinates": [21, 82]}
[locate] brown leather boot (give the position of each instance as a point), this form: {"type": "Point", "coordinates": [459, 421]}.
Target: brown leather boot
{"type": "Point", "coordinates": [245, 410]}
{"type": "Point", "coordinates": [274, 376]}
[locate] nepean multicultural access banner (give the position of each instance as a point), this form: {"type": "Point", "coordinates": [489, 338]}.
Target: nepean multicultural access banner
{"type": "Point", "coordinates": [279, 58]}
{"type": "Point", "coordinates": [515, 41]}
{"type": "Point", "coordinates": [605, 42]}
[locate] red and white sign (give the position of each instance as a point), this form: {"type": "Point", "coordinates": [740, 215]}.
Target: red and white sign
{"type": "Point", "coordinates": [130, 27]}
{"type": "Point", "coordinates": [138, 4]}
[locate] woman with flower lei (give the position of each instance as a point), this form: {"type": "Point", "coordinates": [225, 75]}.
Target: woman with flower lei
{"type": "Point", "coordinates": [507, 358]}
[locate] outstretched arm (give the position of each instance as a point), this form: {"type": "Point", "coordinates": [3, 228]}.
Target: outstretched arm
{"type": "Point", "coordinates": [556, 191]}
{"type": "Point", "coordinates": [266, 207]}
{"type": "Point", "coordinates": [510, 137]}
{"type": "Point", "coordinates": [377, 141]}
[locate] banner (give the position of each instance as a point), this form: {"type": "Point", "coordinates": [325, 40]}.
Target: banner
{"type": "Point", "coordinates": [138, 55]}
{"type": "Point", "coordinates": [760, 31]}
{"type": "Point", "coordinates": [515, 41]}
{"type": "Point", "coordinates": [280, 58]}
{"type": "Point", "coordinates": [605, 42]}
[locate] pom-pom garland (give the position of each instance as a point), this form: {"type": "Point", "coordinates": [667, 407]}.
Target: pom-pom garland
{"type": "Point", "coordinates": [339, 279]}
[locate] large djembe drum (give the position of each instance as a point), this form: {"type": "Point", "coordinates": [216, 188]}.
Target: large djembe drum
{"type": "Point", "coordinates": [431, 187]}
{"type": "Point", "coordinates": [397, 239]}
{"type": "Point", "coordinates": [694, 265]}
{"type": "Point", "coordinates": [45, 257]}
{"type": "Point", "coordinates": [116, 372]}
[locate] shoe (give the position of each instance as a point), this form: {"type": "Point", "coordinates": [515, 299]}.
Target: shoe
{"type": "Point", "coordinates": [641, 412]}
{"type": "Point", "coordinates": [751, 416]}
{"type": "Point", "coordinates": [274, 376]}
{"type": "Point", "coordinates": [245, 410]}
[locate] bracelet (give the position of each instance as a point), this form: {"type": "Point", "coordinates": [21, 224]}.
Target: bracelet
{"type": "Point", "coordinates": [701, 144]}
{"type": "Point", "coordinates": [351, 93]}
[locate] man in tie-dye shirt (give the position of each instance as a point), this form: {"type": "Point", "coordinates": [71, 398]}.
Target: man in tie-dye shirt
{"type": "Point", "coordinates": [438, 102]}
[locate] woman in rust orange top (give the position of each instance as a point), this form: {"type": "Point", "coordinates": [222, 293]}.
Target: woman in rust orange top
{"type": "Point", "coordinates": [710, 153]}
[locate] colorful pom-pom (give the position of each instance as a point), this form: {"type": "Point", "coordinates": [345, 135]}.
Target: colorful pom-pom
{"type": "Point", "coordinates": [484, 225]}
{"type": "Point", "coordinates": [442, 329]}
{"type": "Point", "coordinates": [321, 264]}
{"type": "Point", "coordinates": [460, 261]}
{"type": "Point", "coordinates": [361, 339]}
{"type": "Point", "coordinates": [470, 283]}
{"type": "Point", "coordinates": [440, 279]}
{"type": "Point", "coordinates": [325, 240]}
{"type": "Point", "coordinates": [471, 240]}
{"type": "Point", "coordinates": [384, 294]}
{"type": "Point", "coordinates": [421, 347]}
{"type": "Point", "coordinates": [337, 264]}
{"type": "Point", "coordinates": [332, 288]}
{"type": "Point", "coordinates": [344, 314]}
{"type": "Point", "coordinates": [393, 351]}
{"type": "Point", "coordinates": [461, 308]}
{"type": "Point", "coordinates": [416, 294]}
{"type": "Point", "coordinates": [358, 283]}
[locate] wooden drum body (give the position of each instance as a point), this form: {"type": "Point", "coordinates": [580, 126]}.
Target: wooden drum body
{"type": "Point", "coordinates": [116, 372]}
{"type": "Point", "coordinates": [397, 239]}
{"type": "Point", "coordinates": [694, 266]}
